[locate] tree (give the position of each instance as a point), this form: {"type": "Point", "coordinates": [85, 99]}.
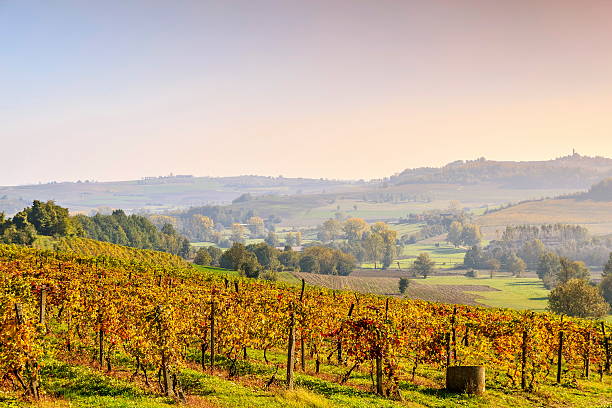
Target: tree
{"type": "Point", "coordinates": [310, 264]}
{"type": "Point", "coordinates": [198, 227]}
{"type": "Point", "coordinates": [474, 258]}
{"type": "Point", "coordinates": [577, 298]}
{"type": "Point", "coordinates": [345, 263]}
{"type": "Point", "coordinates": [389, 239]}
{"type": "Point", "coordinates": [238, 232]}
{"type": "Point", "coordinates": [243, 198]}
{"type": "Point", "coordinates": [471, 235]}
{"type": "Point", "coordinates": [331, 230]}
{"type": "Point", "coordinates": [606, 288]}
{"type": "Point", "coordinates": [215, 254]}
{"type": "Point", "coordinates": [423, 265]}
{"type": "Point", "coordinates": [403, 285]}
{"type": "Point", "coordinates": [290, 239]}
{"type": "Point", "coordinates": [531, 252]}
{"type": "Point", "coordinates": [330, 261]}
{"type": "Point", "coordinates": [354, 228]}
{"type": "Point", "coordinates": [494, 265]}
{"type": "Point", "coordinates": [267, 256]}
{"type": "Point", "coordinates": [389, 254]}
{"type": "Point", "coordinates": [549, 265]}
{"type": "Point", "coordinates": [249, 266]}
{"type": "Point", "coordinates": [289, 259]}
{"type": "Point", "coordinates": [202, 257]}
{"type": "Point", "coordinates": [256, 225]}
{"type": "Point", "coordinates": [572, 270]}
{"type": "Point", "coordinates": [607, 270]}
{"type": "Point", "coordinates": [233, 257]}
{"type": "Point", "coordinates": [272, 239]}
{"type": "Point", "coordinates": [516, 265]}
{"type": "Point", "coordinates": [548, 269]}
{"type": "Point", "coordinates": [168, 229]}
{"type": "Point", "coordinates": [373, 245]}
{"type": "Point", "coordinates": [50, 219]}
{"type": "Point", "coordinates": [454, 233]}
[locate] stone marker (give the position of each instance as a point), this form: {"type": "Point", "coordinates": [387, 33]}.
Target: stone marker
{"type": "Point", "coordinates": [470, 379]}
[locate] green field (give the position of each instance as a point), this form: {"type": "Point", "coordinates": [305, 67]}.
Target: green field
{"type": "Point", "coordinates": [514, 293]}
{"type": "Point", "coordinates": [445, 256]}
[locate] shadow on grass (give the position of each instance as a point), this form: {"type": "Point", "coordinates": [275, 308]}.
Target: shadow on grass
{"type": "Point", "coordinates": [62, 379]}
{"type": "Point", "coordinates": [534, 283]}
{"type": "Point", "coordinates": [441, 393]}
{"type": "Point", "coordinates": [329, 389]}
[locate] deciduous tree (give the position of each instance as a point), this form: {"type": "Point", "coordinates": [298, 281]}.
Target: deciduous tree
{"type": "Point", "coordinates": [577, 298]}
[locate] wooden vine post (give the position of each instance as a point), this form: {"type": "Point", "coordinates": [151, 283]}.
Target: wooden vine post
{"type": "Point", "coordinates": [379, 359]}
{"type": "Point", "coordinates": [212, 335]}
{"type": "Point", "coordinates": [100, 329]}
{"type": "Point", "coordinates": [42, 305]}
{"type": "Point", "coordinates": [454, 334]}
{"type": "Point", "coordinates": [447, 338]}
{"type": "Point", "coordinates": [587, 356]}
{"type": "Point", "coordinates": [291, 345]}
{"type": "Point", "coordinates": [606, 343]}
{"type": "Point", "coordinates": [379, 375]}
{"type": "Point", "coordinates": [560, 356]}
{"type": "Point", "coordinates": [524, 361]}
{"type": "Point", "coordinates": [339, 347]}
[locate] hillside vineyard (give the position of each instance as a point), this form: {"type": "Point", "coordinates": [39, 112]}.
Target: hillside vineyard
{"type": "Point", "coordinates": [164, 314]}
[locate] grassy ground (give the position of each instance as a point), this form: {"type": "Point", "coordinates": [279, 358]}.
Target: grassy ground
{"type": "Point", "coordinates": [445, 256]}
{"type": "Point", "coordinates": [79, 386]}
{"type": "Point", "coordinates": [514, 293]}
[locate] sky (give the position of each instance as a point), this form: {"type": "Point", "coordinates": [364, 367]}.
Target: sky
{"type": "Point", "coordinates": [350, 89]}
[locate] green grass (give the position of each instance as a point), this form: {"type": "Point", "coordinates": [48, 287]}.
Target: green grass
{"type": "Point", "coordinates": [67, 385]}
{"type": "Point", "coordinates": [445, 256]}
{"type": "Point", "coordinates": [83, 387]}
{"type": "Point", "coordinates": [219, 271]}
{"type": "Point", "coordinates": [514, 293]}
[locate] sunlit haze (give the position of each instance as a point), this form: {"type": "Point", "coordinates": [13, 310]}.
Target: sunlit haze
{"type": "Point", "coordinates": [351, 89]}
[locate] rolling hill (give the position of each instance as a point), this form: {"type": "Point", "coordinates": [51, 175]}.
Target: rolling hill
{"type": "Point", "coordinates": [573, 171]}
{"type": "Point", "coordinates": [305, 202]}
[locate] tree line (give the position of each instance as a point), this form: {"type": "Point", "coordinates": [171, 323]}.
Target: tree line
{"type": "Point", "coordinates": [264, 261]}
{"type": "Point", "coordinates": [50, 219]}
{"type": "Point", "coordinates": [376, 243]}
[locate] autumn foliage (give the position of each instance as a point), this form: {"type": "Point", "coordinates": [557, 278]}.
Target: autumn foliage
{"type": "Point", "coordinates": [158, 312]}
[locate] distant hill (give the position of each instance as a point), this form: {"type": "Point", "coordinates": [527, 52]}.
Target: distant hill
{"type": "Point", "coordinates": [573, 171]}
{"type": "Point", "coordinates": [157, 193]}
{"type": "Point", "coordinates": [601, 191]}
{"type": "Point", "coordinates": [304, 201]}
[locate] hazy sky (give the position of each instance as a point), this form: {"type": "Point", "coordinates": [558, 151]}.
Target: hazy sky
{"type": "Point", "coordinates": [121, 89]}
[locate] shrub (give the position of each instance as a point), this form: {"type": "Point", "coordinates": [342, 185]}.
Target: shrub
{"type": "Point", "coordinates": [403, 285]}
{"type": "Point", "coordinates": [269, 275]}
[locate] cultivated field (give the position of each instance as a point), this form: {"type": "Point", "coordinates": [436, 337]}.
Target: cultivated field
{"type": "Point", "coordinates": [594, 215]}
{"type": "Point", "coordinates": [501, 291]}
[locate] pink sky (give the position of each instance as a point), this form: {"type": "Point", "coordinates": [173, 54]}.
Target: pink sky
{"type": "Point", "coordinates": [338, 89]}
